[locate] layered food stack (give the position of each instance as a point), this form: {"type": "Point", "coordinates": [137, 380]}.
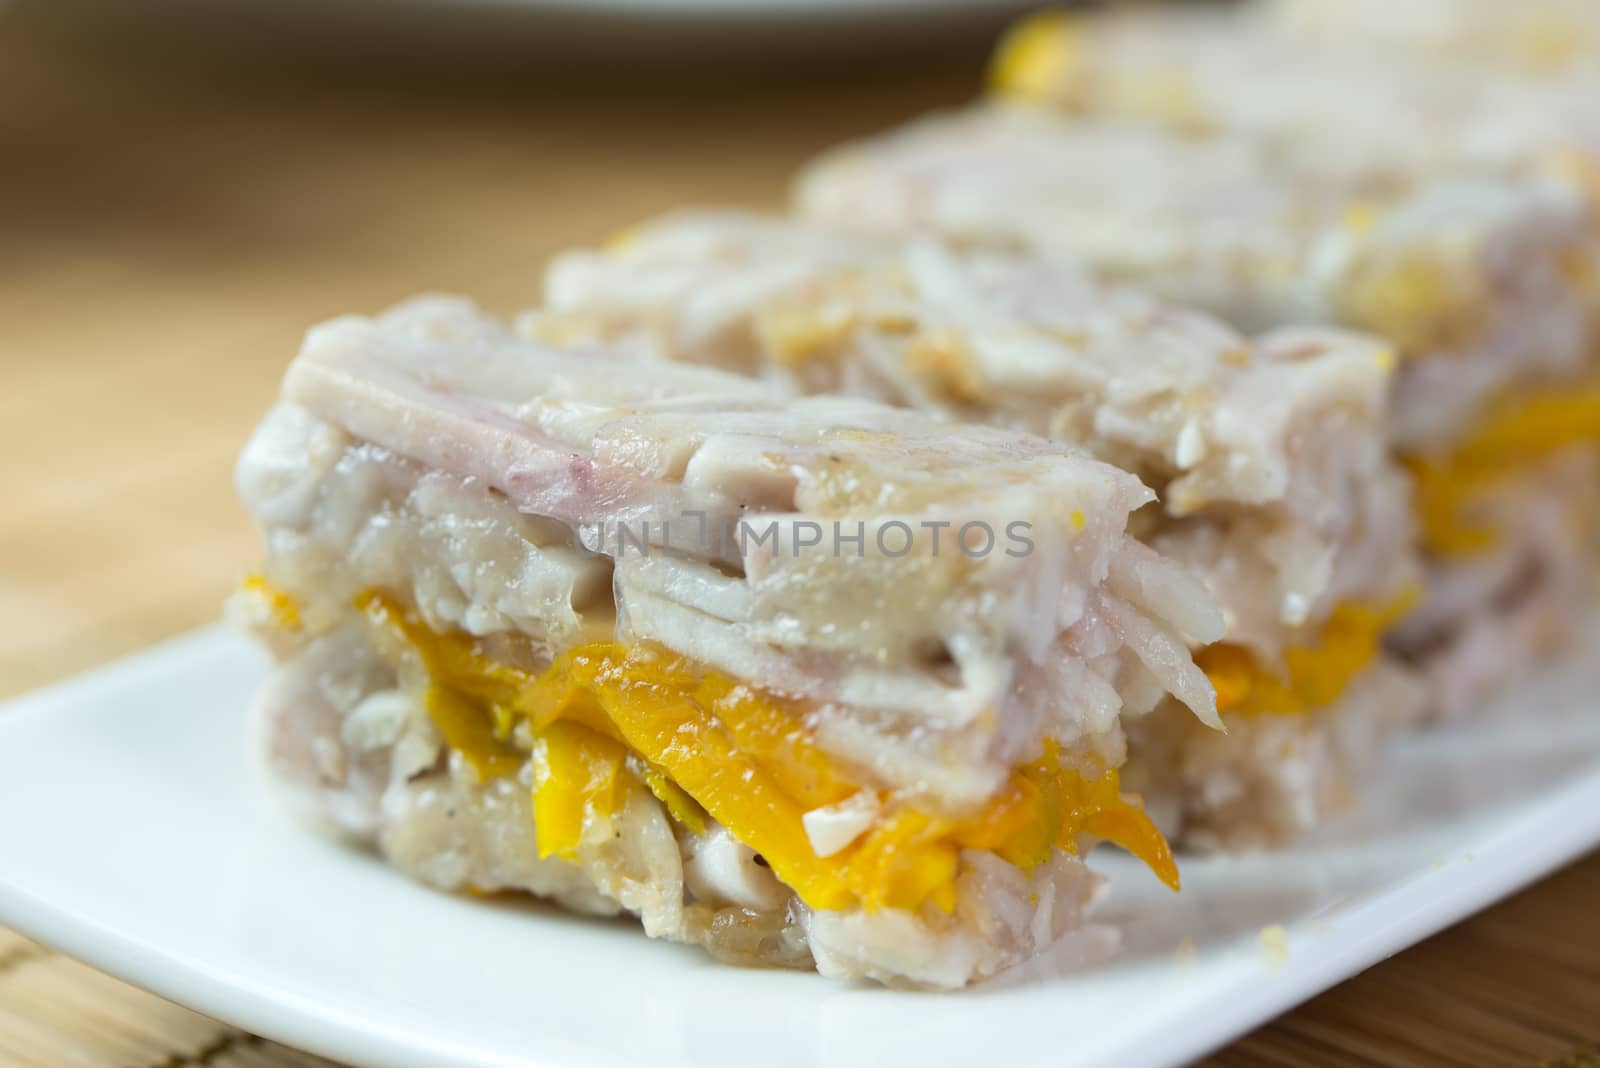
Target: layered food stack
{"type": "Point", "coordinates": [1220, 160]}
{"type": "Point", "coordinates": [1130, 455]}
{"type": "Point", "coordinates": [1269, 456]}
{"type": "Point", "coordinates": [661, 638]}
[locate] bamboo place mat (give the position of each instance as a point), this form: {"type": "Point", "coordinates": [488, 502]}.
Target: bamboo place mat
{"type": "Point", "coordinates": [174, 212]}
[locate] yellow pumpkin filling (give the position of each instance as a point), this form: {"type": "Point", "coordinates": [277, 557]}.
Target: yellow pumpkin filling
{"type": "Point", "coordinates": [1310, 676]}
{"type": "Point", "coordinates": [1035, 54]}
{"type": "Point", "coordinates": [946, 363]}
{"type": "Point", "coordinates": [713, 748]}
{"type": "Point", "coordinates": [1415, 301]}
{"type": "Point", "coordinates": [1042, 60]}
{"type": "Point", "coordinates": [797, 334]}
{"type": "Point", "coordinates": [1517, 433]}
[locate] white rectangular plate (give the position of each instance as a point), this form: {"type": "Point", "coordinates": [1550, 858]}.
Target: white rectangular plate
{"type": "Point", "coordinates": [136, 835]}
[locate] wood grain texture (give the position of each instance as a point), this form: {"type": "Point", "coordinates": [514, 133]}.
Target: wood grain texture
{"type": "Point", "coordinates": [175, 210]}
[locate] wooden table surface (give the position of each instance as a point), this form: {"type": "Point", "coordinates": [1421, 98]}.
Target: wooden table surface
{"type": "Point", "coordinates": [175, 211]}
